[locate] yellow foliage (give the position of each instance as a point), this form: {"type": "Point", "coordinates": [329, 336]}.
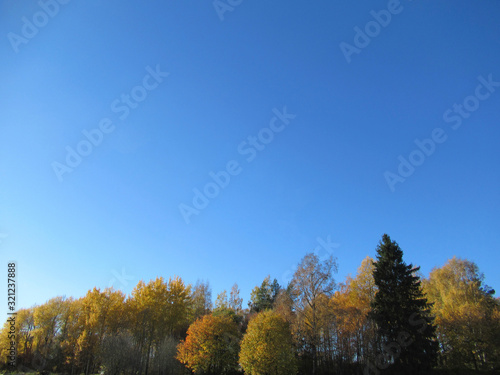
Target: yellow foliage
{"type": "Point", "coordinates": [267, 346]}
{"type": "Point", "coordinates": [211, 345]}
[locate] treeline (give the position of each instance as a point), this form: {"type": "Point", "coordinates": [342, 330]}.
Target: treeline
{"type": "Point", "coordinates": [386, 320]}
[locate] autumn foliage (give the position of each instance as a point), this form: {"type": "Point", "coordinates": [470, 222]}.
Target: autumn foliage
{"type": "Point", "coordinates": [267, 347]}
{"type": "Point", "coordinates": [313, 325]}
{"type": "Point", "coordinates": [211, 346]}
{"type": "Point", "coordinates": [467, 315]}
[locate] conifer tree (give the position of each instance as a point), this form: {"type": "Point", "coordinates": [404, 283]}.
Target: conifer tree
{"type": "Point", "coordinates": [402, 315]}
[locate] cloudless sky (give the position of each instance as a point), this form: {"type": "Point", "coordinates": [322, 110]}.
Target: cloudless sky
{"type": "Point", "coordinates": [115, 219]}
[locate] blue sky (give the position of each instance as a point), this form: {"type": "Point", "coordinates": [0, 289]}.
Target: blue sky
{"type": "Point", "coordinates": [115, 218]}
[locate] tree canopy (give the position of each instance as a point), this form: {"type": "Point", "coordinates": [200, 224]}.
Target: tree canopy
{"type": "Point", "coordinates": [467, 315]}
{"type": "Point", "coordinates": [385, 319]}
{"type": "Point", "coordinates": [267, 347]}
{"type": "Point", "coordinates": [211, 346]}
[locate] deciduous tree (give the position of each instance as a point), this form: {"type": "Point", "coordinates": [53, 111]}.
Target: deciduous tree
{"type": "Point", "coordinates": [201, 297]}
{"type": "Point", "coordinates": [211, 346]}
{"type": "Point", "coordinates": [158, 310]}
{"type": "Point", "coordinates": [267, 347]}
{"type": "Point", "coordinates": [350, 306]}
{"type": "Point", "coordinates": [235, 301]}
{"type": "Point", "coordinates": [100, 315]}
{"type": "Point", "coordinates": [24, 327]}
{"type": "Point", "coordinates": [313, 280]}
{"type": "Point", "coordinates": [467, 315]}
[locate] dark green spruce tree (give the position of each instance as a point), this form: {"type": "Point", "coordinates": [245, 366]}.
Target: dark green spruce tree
{"type": "Point", "coordinates": [407, 335]}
